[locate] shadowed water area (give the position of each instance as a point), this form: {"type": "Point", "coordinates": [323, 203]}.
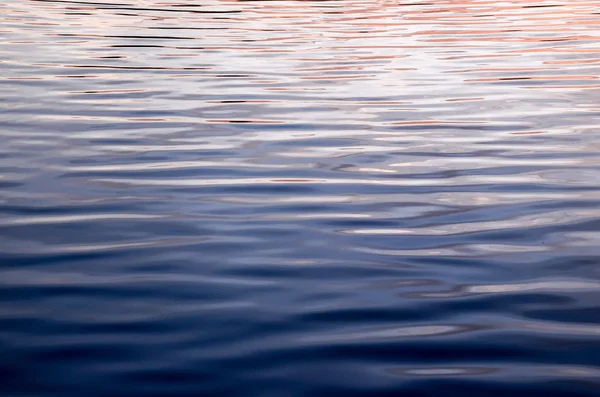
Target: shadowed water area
{"type": "Point", "coordinates": [299, 198]}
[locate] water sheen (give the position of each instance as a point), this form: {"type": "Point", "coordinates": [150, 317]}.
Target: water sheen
{"type": "Point", "coordinates": [299, 198]}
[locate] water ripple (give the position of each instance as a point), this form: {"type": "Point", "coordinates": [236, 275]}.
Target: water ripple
{"type": "Point", "coordinates": [299, 198]}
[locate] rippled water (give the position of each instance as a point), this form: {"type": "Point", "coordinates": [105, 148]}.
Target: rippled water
{"type": "Point", "coordinates": [299, 198]}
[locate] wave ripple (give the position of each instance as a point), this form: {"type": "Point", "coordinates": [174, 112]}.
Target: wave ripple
{"type": "Point", "coordinates": [299, 198]}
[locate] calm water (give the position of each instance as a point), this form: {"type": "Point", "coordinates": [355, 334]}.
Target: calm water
{"type": "Point", "coordinates": [299, 198]}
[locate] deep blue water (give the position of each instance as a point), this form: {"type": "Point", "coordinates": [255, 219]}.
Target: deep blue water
{"type": "Point", "coordinates": [299, 198]}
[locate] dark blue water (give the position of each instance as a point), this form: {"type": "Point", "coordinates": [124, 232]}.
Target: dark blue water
{"type": "Point", "coordinates": [299, 198]}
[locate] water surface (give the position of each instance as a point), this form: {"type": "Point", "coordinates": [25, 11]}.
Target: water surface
{"type": "Point", "coordinates": [299, 198]}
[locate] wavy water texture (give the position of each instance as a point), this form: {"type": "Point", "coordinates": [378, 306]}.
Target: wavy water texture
{"type": "Point", "coordinates": [299, 198]}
